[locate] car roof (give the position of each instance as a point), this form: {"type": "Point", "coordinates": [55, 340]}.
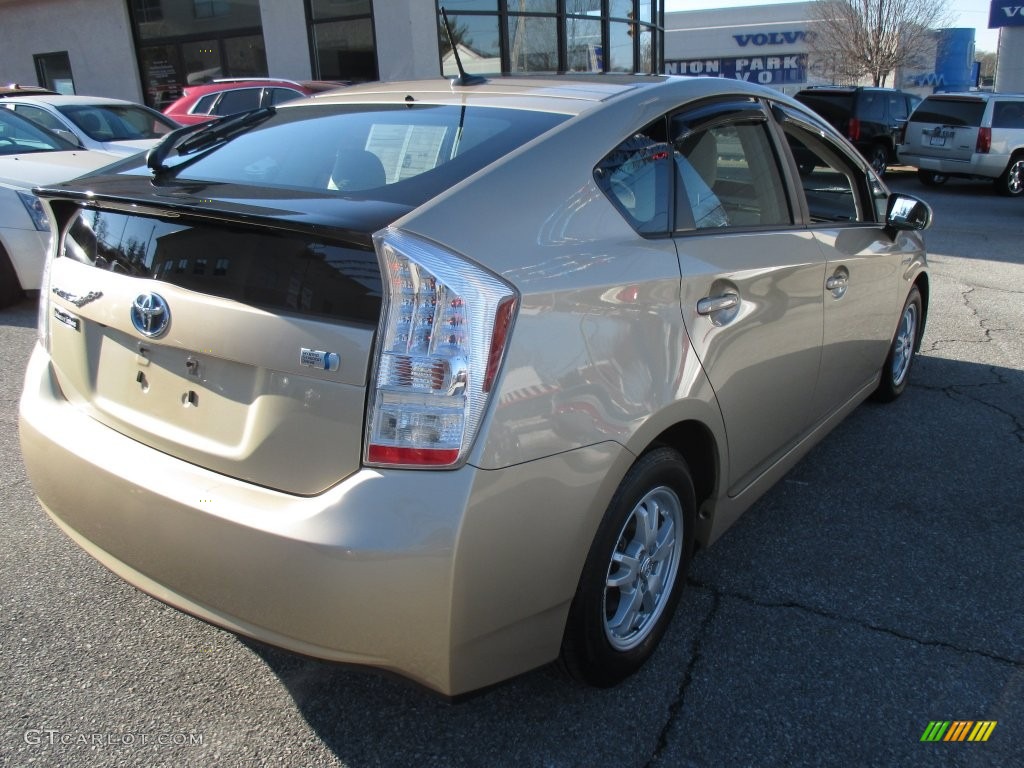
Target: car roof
{"type": "Point", "coordinates": [568, 94]}
{"type": "Point", "coordinates": [979, 95]}
{"type": "Point", "coordinates": [59, 100]}
{"type": "Point", "coordinates": [253, 82]}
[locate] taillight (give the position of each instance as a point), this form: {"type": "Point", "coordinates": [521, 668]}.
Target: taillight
{"type": "Point", "coordinates": [984, 141]}
{"type": "Point", "coordinates": [444, 328]}
{"type": "Point", "coordinates": [853, 129]}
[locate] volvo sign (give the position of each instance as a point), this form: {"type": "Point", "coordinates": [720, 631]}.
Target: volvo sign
{"type": "Point", "coordinates": [1006, 13]}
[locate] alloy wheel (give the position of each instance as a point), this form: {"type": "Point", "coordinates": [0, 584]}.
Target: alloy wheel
{"type": "Point", "coordinates": [643, 568]}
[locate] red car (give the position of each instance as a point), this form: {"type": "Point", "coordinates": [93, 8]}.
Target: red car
{"type": "Point", "coordinates": [200, 103]}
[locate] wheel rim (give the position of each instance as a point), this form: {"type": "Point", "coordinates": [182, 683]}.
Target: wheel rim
{"type": "Point", "coordinates": [1015, 178]}
{"type": "Point", "coordinates": [643, 568]}
{"type": "Point", "coordinates": [903, 348]}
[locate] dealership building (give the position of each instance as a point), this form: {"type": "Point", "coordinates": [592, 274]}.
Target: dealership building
{"type": "Point", "coordinates": [770, 44]}
{"type": "Point", "coordinates": [148, 50]}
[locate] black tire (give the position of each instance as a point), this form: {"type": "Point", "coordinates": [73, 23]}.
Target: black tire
{"type": "Point", "coordinates": [598, 648]}
{"type": "Point", "coordinates": [931, 178]}
{"type": "Point", "coordinates": [899, 361]}
{"type": "Point", "coordinates": [10, 288]}
{"type": "Point", "coordinates": [878, 157]}
{"type": "Point", "coordinates": [1011, 182]}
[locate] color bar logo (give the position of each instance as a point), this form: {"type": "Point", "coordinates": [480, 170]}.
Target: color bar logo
{"type": "Point", "coordinates": [958, 730]}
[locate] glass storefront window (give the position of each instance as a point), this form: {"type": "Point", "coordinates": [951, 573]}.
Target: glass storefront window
{"type": "Point", "coordinates": [533, 43]}
{"type": "Point", "coordinates": [583, 7]}
{"type": "Point", "coordinates": [454, 6]}
{"type": "Point", "coordinates": [583, 45]}
{"type": "Point", "coordinates": [620, 9]}
{"type": "Point", "coordinates": [161, 67]}
{"type": "Point", "coordinates": [479, 41]}
{"type": "Point", "coordinates": [173, 18]}
{"type": "Point", "coordinates": [246, 56]}
{"type": "Point", "coordinates": [202, 61]}
{"type": "Point", "coordinates": [554, 35]}
{"type": "Point", "coordinates": [345, 50]}
{"type": "Point", "coordinates": [621, 48]}
{"type": "Point", "coordinates": [646, 63]}
{"type": "Point", "coordinates": [332, 9]}
{"type": "Point", "coordinates": [532, 6]}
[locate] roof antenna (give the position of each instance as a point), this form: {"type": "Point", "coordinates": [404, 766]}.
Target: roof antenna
{"type": "Point", "coordinates": [463, 78]}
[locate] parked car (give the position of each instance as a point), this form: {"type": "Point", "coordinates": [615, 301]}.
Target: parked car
{"type": "Point", "coordinates": [29, 156]}
{"type": "Point", "coordinates": [968, 135]}
{"type": "Point", "coordinates": [200, 103]}
{"type": "Point", "coordinates": [94, 122]}
{"type": "Point", "coordinates": [450, 379]}
{"type": "Point", "coordinates": [872, 118]}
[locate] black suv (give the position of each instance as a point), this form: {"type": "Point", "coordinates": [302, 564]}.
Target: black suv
{"type": "Point", "coordinates": [872, 118]}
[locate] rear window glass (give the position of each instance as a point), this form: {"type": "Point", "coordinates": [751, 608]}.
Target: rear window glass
{"type": "Point", "coordinates": [397, 153]}
{"type": "Point", "coordinates": [949, 112]}
{"type": "Point", "coordinates": [834, 107]}
{"type": "Point", "coordinates": [281, 271]}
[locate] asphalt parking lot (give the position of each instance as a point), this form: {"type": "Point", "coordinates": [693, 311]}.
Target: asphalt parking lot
{"type": "Point", "coordinates": [876, 589]}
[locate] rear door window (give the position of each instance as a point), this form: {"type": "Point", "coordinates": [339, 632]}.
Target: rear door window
{"type": "Point", "coordinates": [1008, 114]}
{"type": "Point", "coordinates": [238, 100]}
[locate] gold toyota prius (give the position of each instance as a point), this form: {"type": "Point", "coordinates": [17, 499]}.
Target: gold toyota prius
{"type": "Point", "coordinates": [450, 378]}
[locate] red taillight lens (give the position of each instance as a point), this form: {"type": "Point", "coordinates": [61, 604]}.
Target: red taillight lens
{"type": "Point", "coordinates": [984, 141]}
{"type": "Point", "coordinates": [853, 130]}
{"type": "Point", "coordinates": [444, 327]}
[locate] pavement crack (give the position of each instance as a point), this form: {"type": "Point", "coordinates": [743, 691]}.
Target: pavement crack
{"type": "Point", "coordinates": [677, 703]}
{"type": "Point", "coordinates": [761, 603]}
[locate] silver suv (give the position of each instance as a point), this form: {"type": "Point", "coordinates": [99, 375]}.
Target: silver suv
{"type": "Point", "coordinates": [970, 135]}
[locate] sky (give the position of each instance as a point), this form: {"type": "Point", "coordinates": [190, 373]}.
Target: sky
{"type": "Point", "coordinates": [966, 13]}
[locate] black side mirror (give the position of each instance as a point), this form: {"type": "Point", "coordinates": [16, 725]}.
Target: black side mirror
{"type": "Point", "coordinates": [906, 212]}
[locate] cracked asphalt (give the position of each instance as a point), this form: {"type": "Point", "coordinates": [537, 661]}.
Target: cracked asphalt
{"type": "Point", "coordinates": [877, 588]}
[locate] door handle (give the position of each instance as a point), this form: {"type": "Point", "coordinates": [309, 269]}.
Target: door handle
{"type": "Point", "coordinates": [711, 304]}
{"type": "Point", "coordinates": [836, 282]}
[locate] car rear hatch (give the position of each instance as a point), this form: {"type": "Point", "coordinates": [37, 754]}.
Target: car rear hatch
{"type": "Point", "coordinates": [945, 127]}
{"type": "Point", "coordinates": [218, 300]}
{"type": "Point", "coordinates": [217, 333]}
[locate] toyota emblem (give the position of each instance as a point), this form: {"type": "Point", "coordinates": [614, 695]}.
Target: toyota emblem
{"type": "Point", "coordinates": [150, 314]}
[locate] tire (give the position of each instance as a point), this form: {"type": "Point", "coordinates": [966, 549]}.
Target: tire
{"type": "Point", "coordinates": [1011, 182]}
{"type": "Point", "coordinates": [631, 584]}
{"type": "Point", "coordinates": [931, 178]}
{"type": "Point", "coordinates": [10, 288]}
{"type": "Point", "coordinates": [878, 157]}
{"type": "Point", "coordinates": [896, 370]}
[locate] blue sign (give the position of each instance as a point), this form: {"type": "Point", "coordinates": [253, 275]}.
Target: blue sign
{"type": "Point", "coordinates": [767, 70]}
{"type": "Point", "coordinates": [1006, 13]}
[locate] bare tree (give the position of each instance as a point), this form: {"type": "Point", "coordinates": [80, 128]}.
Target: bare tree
{"type": "Point", "coordinates": [854, 39]}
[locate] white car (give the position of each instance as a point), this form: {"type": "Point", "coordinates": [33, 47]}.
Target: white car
{"type": "Point", "coordinates": [31, 156]}
{"type": "Point", "coordinates": [94, 122]}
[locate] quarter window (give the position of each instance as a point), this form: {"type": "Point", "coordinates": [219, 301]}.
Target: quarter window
{"type": "Point", "coordinates": [636, 177]}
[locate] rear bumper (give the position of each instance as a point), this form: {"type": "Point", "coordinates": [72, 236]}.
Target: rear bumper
{"type": "Point", "coordinates": [455, 579]}
{"type": "Point", "coordinates": [987, 166]}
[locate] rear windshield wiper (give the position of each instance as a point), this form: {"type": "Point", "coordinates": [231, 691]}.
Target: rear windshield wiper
{"type": "Point", "coordinates": [193, 139]}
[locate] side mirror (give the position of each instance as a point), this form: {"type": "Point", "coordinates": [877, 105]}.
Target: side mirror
{"type": "Point", "coordinates": [906, 212]}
